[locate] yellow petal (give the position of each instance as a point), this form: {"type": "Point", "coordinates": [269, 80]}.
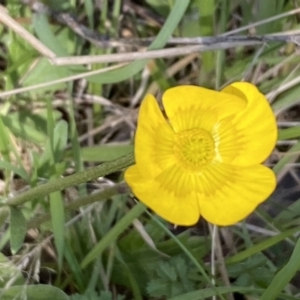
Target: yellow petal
{"type": "Point", "coordinates": [231, 193]}
{"type": "Point", "coordinates": [167, 195]}
{"type": "Point", "coordinates": [153, 139]}
{"type": "Point", "coordinates": [190, 107]}
{"type": "Point", "coordinates": [249, 136]}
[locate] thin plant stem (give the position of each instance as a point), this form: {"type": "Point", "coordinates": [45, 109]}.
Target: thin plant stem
{"type": "Point", "coordinates": [72, 180]}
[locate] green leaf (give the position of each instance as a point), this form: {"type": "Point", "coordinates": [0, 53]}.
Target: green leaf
{"type": "Point", "coordinates": [33, 292]}
{"type": "Point", "coordinates": [19, 171]}
{"type": "Point", "coordinates": [18, 228]}
{"type": "Point", "coordinates": [104, 295]}
{"type": "Point", "coordinates": [129, 274]}
{"type": "Point", "coordinates": [283, 277]}
{"type": "Point", "coordinates": [172, 278]}
{"type": "Point", "coordinates": [29, 126]}
{"type": "Point", "coordinates": [43, 72]}
{"type": "Point", "coordinates": [113, 234]}
{"type": "Point", "coordinates": [57, 142]}
{"type": "Point", "coordinates": [252, 272]}
{"type": "Point", "coordinates": [23, 130]}
{"type": "Point", "coordinates": [289, 133]}
{"type": "Point", "coordinates": [286, 215]}
{"type": "Point", "coordinates": [160, 6]}
{"type": "Point", "coordinates": [4, 141]}
{"type": "Point", "coordinates": [287, 99]}
{"type": "Point", "coordinates": [60, 137]}
{"type": "Point", "coordinates": [257, 248]}
{"type": "Point", "coordinates": [289, 156]}
{"type": "Point", "coordinates": [58, 222]}
{"type": "Point", "coordinates": [41, 26]}
{"type": "Point", "coordinates": [210, 292]}
{"type": "Point", "coordinates": [206, 18]}
{"type": "Point", "coordinates": [4, 213]}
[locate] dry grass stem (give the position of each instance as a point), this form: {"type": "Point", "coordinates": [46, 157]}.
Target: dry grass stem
{"type": "Point", "coordinates": [163, 53]}
{"type": "Point", "coordinates": [24, 34]}
{"type": "Point", "coordinates": [66, 79]}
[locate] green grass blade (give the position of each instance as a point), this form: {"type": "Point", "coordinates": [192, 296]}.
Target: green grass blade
{"type": "Point", "coordinates": [160, 41]}
{"type": "Point", "coordinates": [58, 221]}
{"type": "Point", "coordinates": [113, 234]}
{"type": "Point", "coordinates": [289, 133]}
{"type": "Point", "coordinates": [4, 141]}
{"type": "Point", "coordinates": [75, 144]}
{"type": "Point", "coordinates": [56, 142]}
{"type": "Point", "coordinates": [261, 246]}
{"type": "Point", "coordinates": [74, 266]}
{"type": "Point", "coordinates": [206, 13]}
{"type": "Point", "coordinates": [60, 139]}
{"type": "Point", "coordinates": [289, 155]}
{"type": "Point", "coordinates": [134, 285]}
{"type": "Point", "coordinates": [283, 277]}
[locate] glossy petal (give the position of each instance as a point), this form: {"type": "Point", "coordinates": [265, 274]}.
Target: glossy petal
{"type": "Point", "coordinates": [231, 193]}
{"type": "Point", "coordinates": [190, 107]}
{"type": "Point", "coordinates": [169, 194]}
{"type": "Point", "coordinates": [153, 139]}
{"type": "Point", "coordinates": [248, 137]}
{"type": "Point", "coordinates": [225, 187]}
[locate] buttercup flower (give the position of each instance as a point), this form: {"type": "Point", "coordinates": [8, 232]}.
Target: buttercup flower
{"type": "Point", "coordinates": [203, 156]}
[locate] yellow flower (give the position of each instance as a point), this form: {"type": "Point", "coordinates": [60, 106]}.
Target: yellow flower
{"type": "Point", "coordinates": [205, 158]}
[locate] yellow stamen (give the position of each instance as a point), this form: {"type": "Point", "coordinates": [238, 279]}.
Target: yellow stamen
{"type": "Point", "coordinates": [194, 148]}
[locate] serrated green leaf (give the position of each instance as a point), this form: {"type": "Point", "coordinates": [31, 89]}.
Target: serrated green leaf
{"type": "Point", "coordinates": [18, 228]}
{"type": "Point", "coordinates": [210, 292]}
{"type": "Point", "coordinates": [173, 278]}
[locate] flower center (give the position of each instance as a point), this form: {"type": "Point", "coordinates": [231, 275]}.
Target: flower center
{"type": "Point", "coordinates": [194, 148]}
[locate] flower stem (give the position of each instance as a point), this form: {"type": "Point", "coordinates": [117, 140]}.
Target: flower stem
{"type": "Point", "coordinates": [75, 179]}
